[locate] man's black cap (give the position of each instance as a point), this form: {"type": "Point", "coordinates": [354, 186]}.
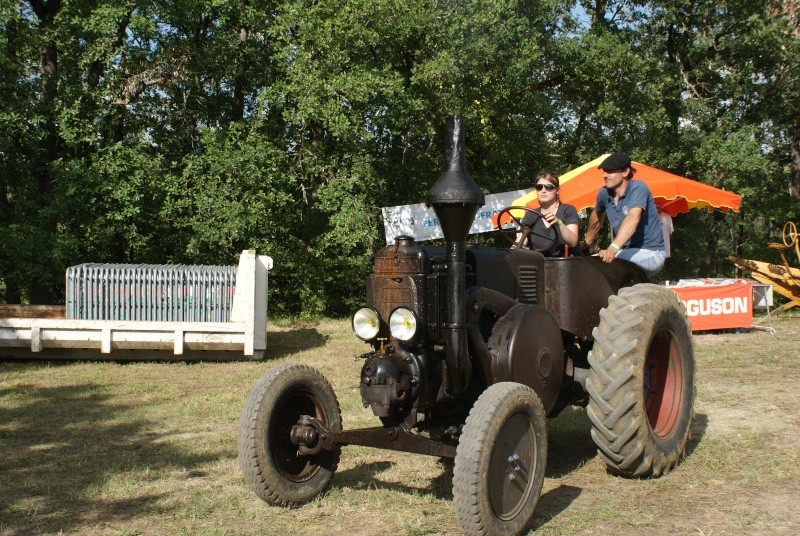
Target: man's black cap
{"type": "Point", "coordinates": [615, 162]}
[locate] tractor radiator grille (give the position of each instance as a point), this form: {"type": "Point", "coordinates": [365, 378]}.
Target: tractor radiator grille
{"type": "Point", "coordinates": [528, 279]}
{"type": "Point", "coordinates": [150, 292]}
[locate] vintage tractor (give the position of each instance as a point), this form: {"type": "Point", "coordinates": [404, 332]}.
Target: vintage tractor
{"type": "Point", "coordinates": [471, 349]}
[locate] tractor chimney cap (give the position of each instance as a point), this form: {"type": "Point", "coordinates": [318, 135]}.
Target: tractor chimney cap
{"type": "Point", "coordinates": [455, 186]}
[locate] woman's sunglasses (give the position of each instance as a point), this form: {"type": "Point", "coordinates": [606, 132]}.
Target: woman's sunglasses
{"type": "Point", "coordinates": [548, 187]}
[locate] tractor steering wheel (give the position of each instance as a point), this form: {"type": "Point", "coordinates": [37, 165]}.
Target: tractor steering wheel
{"type": "Point", "coordinates": [789, 234]}
{"type": "Point", "coordinates": [536, 241]}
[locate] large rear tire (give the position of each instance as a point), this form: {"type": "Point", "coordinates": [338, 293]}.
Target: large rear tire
{"type": "Point", "coordinates": [271, 464]}
{"type": "Point", "coordinates": [641, 385]}
{"type": "Point", "coordinates": [500, 461]}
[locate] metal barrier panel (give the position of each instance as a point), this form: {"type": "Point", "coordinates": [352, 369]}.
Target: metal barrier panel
{"type": "Point", "coordinates": [150, 292]}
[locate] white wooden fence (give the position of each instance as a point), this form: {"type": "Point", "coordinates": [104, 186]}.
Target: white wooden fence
{"type": "Point", "coordinates": [246, 331]}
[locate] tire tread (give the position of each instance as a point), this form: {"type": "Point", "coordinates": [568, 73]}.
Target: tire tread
{"type": "Point", "coordinates": [620, 428]}
{"type": "Point", "coordinates": [468, 482]}
{"type": "Point", "coordinates": [256, 471]}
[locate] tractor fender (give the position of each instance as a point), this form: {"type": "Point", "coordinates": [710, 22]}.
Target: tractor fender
{"type": "Point", "coordinates": [526, 347]}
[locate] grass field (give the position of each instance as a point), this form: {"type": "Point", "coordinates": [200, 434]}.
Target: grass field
{"type": "Point", "coordinates": [150, 448]}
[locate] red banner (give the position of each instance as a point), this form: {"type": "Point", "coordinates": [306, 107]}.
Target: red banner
{"type": "Point", "coordinates": [718, 306]}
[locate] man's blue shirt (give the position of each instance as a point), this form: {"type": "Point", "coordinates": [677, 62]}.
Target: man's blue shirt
{"type": "Point", "coordinates": [648, 233]}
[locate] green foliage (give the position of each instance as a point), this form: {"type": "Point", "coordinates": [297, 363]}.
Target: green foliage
{"type": "Point", "coordinates": [187, 131]}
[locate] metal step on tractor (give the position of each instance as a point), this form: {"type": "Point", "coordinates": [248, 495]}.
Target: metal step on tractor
{"type": "Point", "coordinates": [472, 348]}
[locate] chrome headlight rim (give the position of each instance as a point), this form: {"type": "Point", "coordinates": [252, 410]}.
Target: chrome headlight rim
{"type": "Point", "coordinates": [403, 324]}
{"type": "Point", "coordinates": [366, 323]}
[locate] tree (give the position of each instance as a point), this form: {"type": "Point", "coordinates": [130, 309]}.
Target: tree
{"type": "Point", "coordinates": [179, 131]}
{"type": "Point", "coordinates": [728, 58]}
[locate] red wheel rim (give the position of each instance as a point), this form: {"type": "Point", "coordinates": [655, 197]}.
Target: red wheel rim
{"type": "Point", "coordinates": [663, 384]}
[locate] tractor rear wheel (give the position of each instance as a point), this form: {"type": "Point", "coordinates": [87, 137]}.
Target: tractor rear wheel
{"type": "Point", "coordinates": [271, 463]}
{"type": "Point", "coordinates": [641, 385]}
{"type": "Point", "coordinates": [500, 461]}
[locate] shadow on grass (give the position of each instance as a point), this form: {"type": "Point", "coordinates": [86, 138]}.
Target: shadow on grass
{"type": "Point", "coordinates": [364, 477]}
{"type": "Point", "coordinates": [570, 442]}
{"type": "Point", "coordinates": [284, 343]}
{"type": "Point", "coordinates": [570, 446]}
{"type": "Point", "coordinates": [71, 453]}
{"type": "Point", "coordinates": [699, 427]}
{"type": "Point", "coordinates": [552, 503]}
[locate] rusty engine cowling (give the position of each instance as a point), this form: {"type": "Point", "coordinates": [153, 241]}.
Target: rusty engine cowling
{"type": "Point", "coordinates": [394, 374]}
{"type": "Point", "coordinates": [398, 279]}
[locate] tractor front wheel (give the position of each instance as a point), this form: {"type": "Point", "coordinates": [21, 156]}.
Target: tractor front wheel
{"type": "Point", "coordinates": [272, 465]}
{"type": "Point", "coordinates": [500, 461]}
{"type": "Point", "coordinates": [641, 385]}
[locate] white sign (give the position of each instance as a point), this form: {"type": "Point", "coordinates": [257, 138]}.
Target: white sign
{"type": "Point", "coordinates": [717, 306]}
{"type": "Point", "coordinates": [420, 222]}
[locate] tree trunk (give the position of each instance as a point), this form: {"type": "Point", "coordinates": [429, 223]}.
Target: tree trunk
{"type": "Point", "coordinates": [12, 293]}
{"type": "Point", "coordinates": [740, 238]}
{"type": "Point", "coordinates": [48, 150]}
{"type": "Point", "coordinates": [711, 249]}
{"type": "Point", "coordinates": [794, 177]}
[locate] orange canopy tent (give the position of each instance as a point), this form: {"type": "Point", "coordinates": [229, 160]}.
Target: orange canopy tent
{"type": "Point", "coordinates": [673, 194]}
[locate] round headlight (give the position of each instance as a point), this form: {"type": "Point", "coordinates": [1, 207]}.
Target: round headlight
{"type": "Point", "coordinates": [366, 323]}
{"type": "Point", "coordinates": [403, 324]}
